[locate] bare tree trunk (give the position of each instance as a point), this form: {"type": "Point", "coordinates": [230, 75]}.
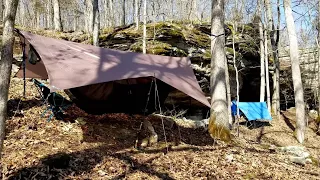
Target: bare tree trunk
{"type": "Point", "coordinates": [6, 63]}
{"type": "Point", "coordinates": [179, 7]}
{"type": "Point", "coordinates": [171, 12]}
{"type": "Point", "coordinates": [105, 14]}
{"type": "Point", "coordinates": [57, 16]}
{"type": "Point", "coordinates": [262, 73]}
{"type": "Point", "coordinates": [228, 94]}
{"type": "Point", "coordinates": [20, 12]}
{"type": "Point", "coordinates": [45, 20]}
{"type": "Point", "coordinates": [236, 15]}
{"type": "Point", "coordinates": [271, 34]}
{"type": "Point", "coordinates": [75, 22]}
{"type": "Point", "coordinates": [318, 44]}
{"type": "Point", "coordinates": [34, 19]}
{"type": "Point", "coordinates": [86, 17]}
{"type": "Point", "coordinates": [123, 17]}
{"type": "Point", "coordinates": [90, 16]}
{"type": "Point", "coordinates": [37, 20]}
{"type": "Point", "coordinates": [192, 15]}
{"type": "Point", "coordinates": [144, 40]}
{"type": "Point", "coordinates": [237, 74]}
{"type": "Point", "coordinates": [296, 73]}
{"type": "Point", "coordinates": [30, 19]}
{"type": "Point", "coordinates": [267, 69]}
{"type": "Point", "coordinates": [194, 10]}
{"type": "Point", "coordinates": [17, 21]}
{"type": "Point", "coordinates": [96, 26]}
{"type": "Point", "coordinates": [183, 11]}
{"type": "Point", "coordinates": [276, 55]}
{"type": "Point", "coordinates": [219, 121]}
{"type": "Point", "coordinates": [111, 13]}
{"type": "Point", "coordinates": [137, 13]}
{"type": "Point", "coordinates": [1, 10]}
{"type": "Point", "coordinates": [153, 137]}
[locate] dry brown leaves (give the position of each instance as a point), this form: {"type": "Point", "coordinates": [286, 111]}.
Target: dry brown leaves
{"type": "Point", "coordinates": [102, 147]}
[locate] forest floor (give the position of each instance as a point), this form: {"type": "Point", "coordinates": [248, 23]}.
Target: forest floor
{"type": "Point", "coordinates": [103, 147]}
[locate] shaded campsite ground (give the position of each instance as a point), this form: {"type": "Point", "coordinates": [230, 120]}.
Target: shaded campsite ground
{"type": "Point", "coordinates": [102, 147]}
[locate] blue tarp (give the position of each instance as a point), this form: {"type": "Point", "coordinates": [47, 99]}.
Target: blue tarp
{"type": "Point", "coordinates": [252, 110]}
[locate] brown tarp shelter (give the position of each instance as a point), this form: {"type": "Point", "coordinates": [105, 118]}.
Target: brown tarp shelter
{"type": "Point", "coordinates": [70, 65]}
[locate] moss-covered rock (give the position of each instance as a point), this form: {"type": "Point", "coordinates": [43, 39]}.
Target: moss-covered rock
{"type": "Point", "coordinates": [207, 55]}
{"type": "Point", "coordinates": [230, 52]}
{"type": "Point", "coordinates": [154, 47]}
{"type": "Point", "coordinates": [166, 31]}
{"type": "Point", "coordinates": [195, 37]}
{"type": "Point", "coordinates": [158, 48]}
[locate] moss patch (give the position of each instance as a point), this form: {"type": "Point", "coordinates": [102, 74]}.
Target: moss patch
{"type": "Point", "coordinates": [315, 161]}
{"type": "Point", "coordinates": [218, 131]}
{"type": "Point", "coordinates": [207, 54]}
{"type": "Point", "coordinates": [165, 31]}
{"type": "Point", "coordinates": [197, 37]}
{"type": "Point", "coordinates": [230, 51]}
{"type": "Point", "coordinates": [103, 37]}
{"type": "Point", "coordinates": [158, 48]}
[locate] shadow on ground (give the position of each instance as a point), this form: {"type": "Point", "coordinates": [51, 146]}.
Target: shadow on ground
{"type": "Point", "coordinates": [16, 106]}
{"type": "Point", "coordinates": [255, 124]}
{"type": "Point", "coordinates": [116, 135]}
{"type": "Point", "coordinates": [63, 165]}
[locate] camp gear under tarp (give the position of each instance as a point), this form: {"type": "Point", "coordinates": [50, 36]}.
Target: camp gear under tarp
{"type": "Point", "coordinates": [106, 77]}
{"type": "Point", "coordinates": [252, 110]}
{"type": "Point", "coordinates": [55, 102]}
{"type": "Point", "coordinates": [130, 96]}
